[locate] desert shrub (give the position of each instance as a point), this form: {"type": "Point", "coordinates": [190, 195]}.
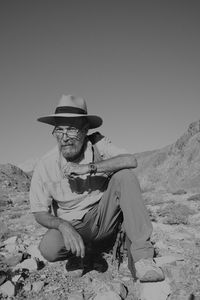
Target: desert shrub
{"type": "Point", "coordinates": [175, 214]}
{"type": "Point", "coordinates": [179, 192]}
{"type": "Point", "coordinates": [194, 198]}
{"type": "Point", "coordinates": [16, 215]}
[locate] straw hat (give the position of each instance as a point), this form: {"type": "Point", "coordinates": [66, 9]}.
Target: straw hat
{"type": "Point", "coordinates": [72, 107]}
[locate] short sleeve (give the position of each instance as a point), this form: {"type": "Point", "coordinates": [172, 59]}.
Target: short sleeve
{"type": "Point", "coordinates": [40, 198]}
{"type": "Point", "coordinates": [107, 149]}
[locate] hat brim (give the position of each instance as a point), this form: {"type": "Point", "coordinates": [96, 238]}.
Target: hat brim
{"type": "Point", "coordinates": [94, 121]}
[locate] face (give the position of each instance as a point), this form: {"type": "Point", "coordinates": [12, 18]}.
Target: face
{"type": "Point", "coordinates": [70, 139]}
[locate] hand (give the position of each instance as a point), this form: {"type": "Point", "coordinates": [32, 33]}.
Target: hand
{"type": "Point", "coordinates": [73, 169]}
{"type": "Point", "coordinates": [72, 239]}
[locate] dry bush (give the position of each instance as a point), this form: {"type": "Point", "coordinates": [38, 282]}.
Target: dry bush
{"type": "Point", "coordinates": [175, 213]}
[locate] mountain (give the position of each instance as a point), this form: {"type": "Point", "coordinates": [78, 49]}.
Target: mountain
{"type": "Point", "coordinates": [175, 167]}
{"type": "Point", "coordinates": [14, 178]}
{"type": "Point", "coordinates": [28, 165]}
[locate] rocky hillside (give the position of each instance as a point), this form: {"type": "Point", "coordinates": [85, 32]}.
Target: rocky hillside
{"type": "Point", "coordinates": [175, 167]}
{"type": "Point", "coordinates": [13, 178]}
{"type": "Point", "coordinates": [28, 165]}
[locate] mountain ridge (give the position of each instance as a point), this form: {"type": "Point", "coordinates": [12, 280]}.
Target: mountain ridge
{"type": "Point", "coordinates": [173, 167]}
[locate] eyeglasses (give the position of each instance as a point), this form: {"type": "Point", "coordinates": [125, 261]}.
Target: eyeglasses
{"type": "Point", "coordinates": [71, 132]}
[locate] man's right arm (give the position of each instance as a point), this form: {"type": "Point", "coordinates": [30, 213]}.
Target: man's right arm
{"type": "Point", "coordinates": [72, 239]}
{"type": "Point", "coordinates": [40, 199]}
{"type": "Point", "coordinates": [47, 220]}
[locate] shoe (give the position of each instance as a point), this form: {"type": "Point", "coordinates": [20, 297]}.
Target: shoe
{"type": "Point", "coordinates": [74, 267]}
{"type": "Point", "coordinates": [147, 271]}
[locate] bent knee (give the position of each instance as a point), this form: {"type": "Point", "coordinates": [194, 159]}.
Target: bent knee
{"type": "Point", "coordinates": [47, 252]}
{"type": "Point", "coordinates": [124, 174]}
{"type": "Point", "coordinates": [126, 177]}
{"type": "Point", "coordinates": [50, 245]}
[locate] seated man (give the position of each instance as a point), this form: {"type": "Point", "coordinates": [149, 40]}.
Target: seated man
{"type": "Point", "coordinates": [93, 185]}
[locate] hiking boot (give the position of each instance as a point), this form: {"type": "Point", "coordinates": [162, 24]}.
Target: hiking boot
{"type": "Point", "coordinates": [74, 267]}
{"type": "Point", "coordinates": [147, 271]}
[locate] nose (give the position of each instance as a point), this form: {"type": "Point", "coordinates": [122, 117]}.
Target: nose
{"type": "Point", "coordinates": [65, 136]}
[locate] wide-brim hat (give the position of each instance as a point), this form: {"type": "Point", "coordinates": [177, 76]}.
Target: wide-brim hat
{"type": "Point", "coordinates": [71, 107]}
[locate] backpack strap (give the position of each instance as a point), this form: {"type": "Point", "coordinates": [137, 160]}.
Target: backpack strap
{"type": "Point", "coordinates": [94, 138]}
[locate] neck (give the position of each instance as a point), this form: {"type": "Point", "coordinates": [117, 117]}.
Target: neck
{"type": "Point", "coordinates": [77, 158]}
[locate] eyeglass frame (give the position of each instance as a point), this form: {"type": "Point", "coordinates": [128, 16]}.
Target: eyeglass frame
{"type": "Point", "coordinates": [78, 131]}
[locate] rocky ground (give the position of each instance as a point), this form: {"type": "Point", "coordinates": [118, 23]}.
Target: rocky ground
{"type": "Point", "coordinates": [24, 274]}
{"type": "Point", "coordinates": [169, 178]}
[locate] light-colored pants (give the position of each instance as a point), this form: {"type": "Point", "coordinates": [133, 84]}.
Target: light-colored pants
{"type": "Point", "coordinates": [122, 197]}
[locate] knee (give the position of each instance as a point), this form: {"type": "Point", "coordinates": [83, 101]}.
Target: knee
{"type": "Point", "coordinates": [46, 253]}
{"type": "Point", "coordinates": [48, 247]}
{"type": "Point", "coordinates": [124, 175]}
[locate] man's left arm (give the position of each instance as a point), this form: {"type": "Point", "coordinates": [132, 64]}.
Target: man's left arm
{"type": "Point", "coordinates": [119, 162]}
{"type": "Point", "coordinates": [113, 164]}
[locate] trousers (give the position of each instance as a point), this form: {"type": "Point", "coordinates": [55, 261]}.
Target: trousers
{"type": "Point", "coordinates": [122, 198]}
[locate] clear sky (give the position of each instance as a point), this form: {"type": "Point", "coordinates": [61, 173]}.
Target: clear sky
{"type": "Point", "coordinates": [136, 62]}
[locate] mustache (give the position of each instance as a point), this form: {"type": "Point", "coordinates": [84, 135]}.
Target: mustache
{"type": "Point", "coordinates": [67, 144]}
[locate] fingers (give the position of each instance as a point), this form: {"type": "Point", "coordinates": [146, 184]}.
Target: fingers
{"type": "Point", "coordinates": [74, 243]}
{"type": "Point", "coordinates": [72, 239]}
{"type": "Point", "coordinates": [74, 169]}
{"type": "Point", "coordinates": [81, 248]}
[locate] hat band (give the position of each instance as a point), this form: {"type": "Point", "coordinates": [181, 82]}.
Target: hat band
{"type": "Point", "coordinates": [69, 110]}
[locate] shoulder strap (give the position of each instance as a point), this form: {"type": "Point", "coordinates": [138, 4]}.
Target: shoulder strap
{"type": "Point", "coordinates": [94, 138]}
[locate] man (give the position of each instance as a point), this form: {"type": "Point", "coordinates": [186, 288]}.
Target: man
{"type": "Point", "coordinates": [90, 185]}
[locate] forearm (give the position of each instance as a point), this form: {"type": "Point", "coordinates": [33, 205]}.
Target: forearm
{"type": "Point", "coordinates": [47, 220]}
{"type": "Point", "coordinates": [72, 239]}
{"type": "Point", "coordinates": [124, 161]}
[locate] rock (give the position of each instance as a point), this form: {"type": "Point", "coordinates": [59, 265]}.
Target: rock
{"type": "Point", "coordinates": [11, 244]}
{"type": "Point", "coordinates": [76, 296]}
{"type": "Point", "coordinates": [11, 248]}
{"type": "Point", "coordinates": [35, 252]}
{"type": "Point", "coordinates": [37, 286]}
{"type": "Point", "coordinates": [119, 288]}
{"type": "Point", "coordinates": [13, 260]}
{"type": "Point", "coordinates": [29, 264]}
{"type": "Point", "coordinates": [74, 274]}
{"type": "Point", "coordinates": [11, 240]}
{"type": "Point", "coordinates": [99, 286]}
{"type": "Point", "coordinates": [27, 287]}
{"type": "Point", "coordinates": [7, 289]}
{"type": "Point", "coordinates": [110, 295]}
{"type": "Point", "coordinates": [168, 259]}
{"type": "Point", "coordinates": [155, 290]}
{"type": "Point", "coordinates": [16, 278]}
